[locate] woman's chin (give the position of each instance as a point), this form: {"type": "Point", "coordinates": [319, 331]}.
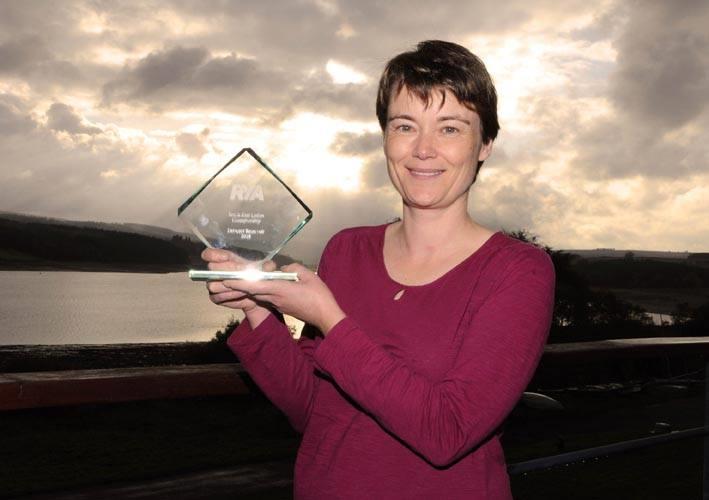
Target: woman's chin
{"type": "Point", "coordinates": [422, 204]}
{"type": "Point", "coordinates": [433, 202]}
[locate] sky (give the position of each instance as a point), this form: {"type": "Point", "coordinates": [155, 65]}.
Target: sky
{"type": "Point", "coordinates": [117, 111]}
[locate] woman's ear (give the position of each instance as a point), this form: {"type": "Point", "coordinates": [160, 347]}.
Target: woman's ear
{"type": "Point", "coordinates": [485, 151]}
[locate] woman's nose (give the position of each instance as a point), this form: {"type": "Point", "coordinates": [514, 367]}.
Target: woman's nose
{"type": "Point", "coordinates": [425, 146]}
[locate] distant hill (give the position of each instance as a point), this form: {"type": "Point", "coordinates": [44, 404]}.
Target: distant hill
{"type": "Point", "coordinates": [600, 253]}
{"type": "Point", "coordinates": [29, 242]}
{"type": "Point", "coordinates": [128, 227]}
{"type": "Point", "coordinates": [642, 273]}
{"type": "Point", "coordinates": [37, 243]}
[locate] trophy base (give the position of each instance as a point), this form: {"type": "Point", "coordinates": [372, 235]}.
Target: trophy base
{"type": "Point", "coordinates": [247, 275]}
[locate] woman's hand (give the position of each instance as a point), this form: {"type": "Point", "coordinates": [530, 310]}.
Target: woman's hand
{"type": "Point", "coordinates": [308, 299]}
{"type": "Point", "coordinates": [223, 260]}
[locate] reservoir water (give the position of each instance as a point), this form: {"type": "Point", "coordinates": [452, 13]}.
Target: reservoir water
{"type": "Point", "coordinates": [65, 307]}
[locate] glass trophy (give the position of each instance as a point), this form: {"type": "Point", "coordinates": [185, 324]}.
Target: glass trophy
{"type": "Point", "coordinates": [247, 209]}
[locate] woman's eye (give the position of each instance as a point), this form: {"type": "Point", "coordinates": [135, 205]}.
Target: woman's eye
{"type": "Point", "coordinates": [449, 130]}
{"type": "Point", "coordinates": [403, 128]}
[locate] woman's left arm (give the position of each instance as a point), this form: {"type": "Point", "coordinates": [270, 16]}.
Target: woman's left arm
{"type": "Point", "coordinates": [443, 420]}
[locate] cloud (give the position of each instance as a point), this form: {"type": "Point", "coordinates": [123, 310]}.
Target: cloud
{"type": "Point", "coordinates": [61, 117]}
{"type": "Point", "coordinates": [22, 53]}
{"type": "Point", "coordinates": [619, 148]}
{"type": "Point", "coordinates": [29, 57]}
{"type": "Point", "coordinates": [368, 146]}
{"type": "Point", "coordinates": [193, 144]}
{"type": "Point", "coordinates": [273, 78]}
{"type": "Point", "coordinates": [192, 77]}
{"type": "Point", "coordinates": [374, 173]}
{"type": "Point", "coordinates": [159, 71]}
{"type": "Point", "coordinates": [662, 72]}
{"type": "Point", "coordinates": [86, 177]}
{"type": "Point", "coordinates": [657, 98]}
{"type": "Point", "coordinates": [18, 17]}
{"type": "Point", "coordinates": [516, 200]}
{"type": "Point", "coordinates": [604, 26]}
{"type": "Point", "coordinates": [348, 143]}
{"type": "Point", "coordinates": [334, 210]}
{"type": "Point", "coordinates": [605, 108]}
{"type": "Point", "coordinates": [14, 118]}
{"type": "Point", "coordinates": [317, 92]}
{"type": "Point", "coordinates": [105, 177]}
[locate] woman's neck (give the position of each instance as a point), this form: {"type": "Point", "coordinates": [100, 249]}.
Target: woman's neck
{"type": "Point", "coordinates": [426, 244]}
{"type": "Point", "coordinates": [432, 233]}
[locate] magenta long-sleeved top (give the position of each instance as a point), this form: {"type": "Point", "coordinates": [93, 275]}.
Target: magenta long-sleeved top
{"type": "Point", "coordinates": [404, 398]}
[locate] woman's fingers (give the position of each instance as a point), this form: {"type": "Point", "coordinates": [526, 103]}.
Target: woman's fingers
{"type": "Point", "coordinates": [230, 296]}
{"type": "Point", "coordinates": [304, 274]}
{"type": "Point", "coordinates": [265, 287]}
{"type": "Point", "coordinates": [217, 287]}
{"type": "Point", "coordinates": [294, 268]}
{"type": "Point", "coordinates": [242, 286]}
{"type": "Point", "coordinates": [245, 294]}
{"type": "Point", "coordinates": [269, 266]}
{"type": "Point", "coordinates": [308, 299]}
{"type": "Point", "coordinates": [224, 260]}
{"type": "Point", "coordinates": [220, 255]}
{"type": "Point", "coordinates": [229, 293]}
{"type": "Point", "coordinates": [216, 255]}
{"type": "Point", "coordinates": [228, 265]}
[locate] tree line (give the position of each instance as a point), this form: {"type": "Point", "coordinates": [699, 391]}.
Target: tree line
{"type": "Point", "coordinates": [584, 310]}
{"type": "Point", "coordinates": [23, 243]}
{"type": "Point", "coordinates": [45, 244]}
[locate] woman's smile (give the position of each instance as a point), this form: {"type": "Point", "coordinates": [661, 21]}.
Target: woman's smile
{"type": "Point", "coordinates": [424, 173]}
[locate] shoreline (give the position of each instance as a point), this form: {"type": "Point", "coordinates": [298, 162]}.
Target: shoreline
{"type": "Point", "coordinates": [20, 358]}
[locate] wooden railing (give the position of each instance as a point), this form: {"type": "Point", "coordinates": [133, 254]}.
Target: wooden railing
{"type": "Point", "coordinates": [72, 387]}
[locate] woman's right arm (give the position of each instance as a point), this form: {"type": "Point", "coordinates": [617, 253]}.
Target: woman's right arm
{"type": "Point", "coordinates": [281, 367]}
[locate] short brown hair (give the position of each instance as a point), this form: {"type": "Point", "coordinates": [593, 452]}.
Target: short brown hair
{"type": "Point", "coordinates": [436, 63]}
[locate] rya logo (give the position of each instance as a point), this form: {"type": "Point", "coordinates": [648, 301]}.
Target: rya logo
{"type": "Point", "coordinates": [246, 193]}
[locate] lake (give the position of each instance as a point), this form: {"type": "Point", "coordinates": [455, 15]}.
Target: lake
{"type": "Point", "coordinates": [66, 307]}
{"type": "Point", "coordinates": [70, 307]}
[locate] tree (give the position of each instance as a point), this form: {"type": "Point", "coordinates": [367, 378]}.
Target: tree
{"type": "Point", "coordinates": [581, 313]}
{"type": "Point", "coordinates": [692, 321]}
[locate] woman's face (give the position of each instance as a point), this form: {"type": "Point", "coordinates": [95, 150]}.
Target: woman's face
{"type": "Point", "coordinates": [433, 149]}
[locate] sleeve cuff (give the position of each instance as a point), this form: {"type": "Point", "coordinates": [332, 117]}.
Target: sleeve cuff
{"type": "Point", "coordinates": [244, 336]}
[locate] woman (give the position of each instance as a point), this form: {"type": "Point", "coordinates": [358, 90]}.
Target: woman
{"type": "Point", "coordinates": [429, 328]}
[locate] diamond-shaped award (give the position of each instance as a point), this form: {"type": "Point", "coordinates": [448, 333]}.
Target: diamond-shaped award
{"type": "Point", "coordinates": [247, 209]}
